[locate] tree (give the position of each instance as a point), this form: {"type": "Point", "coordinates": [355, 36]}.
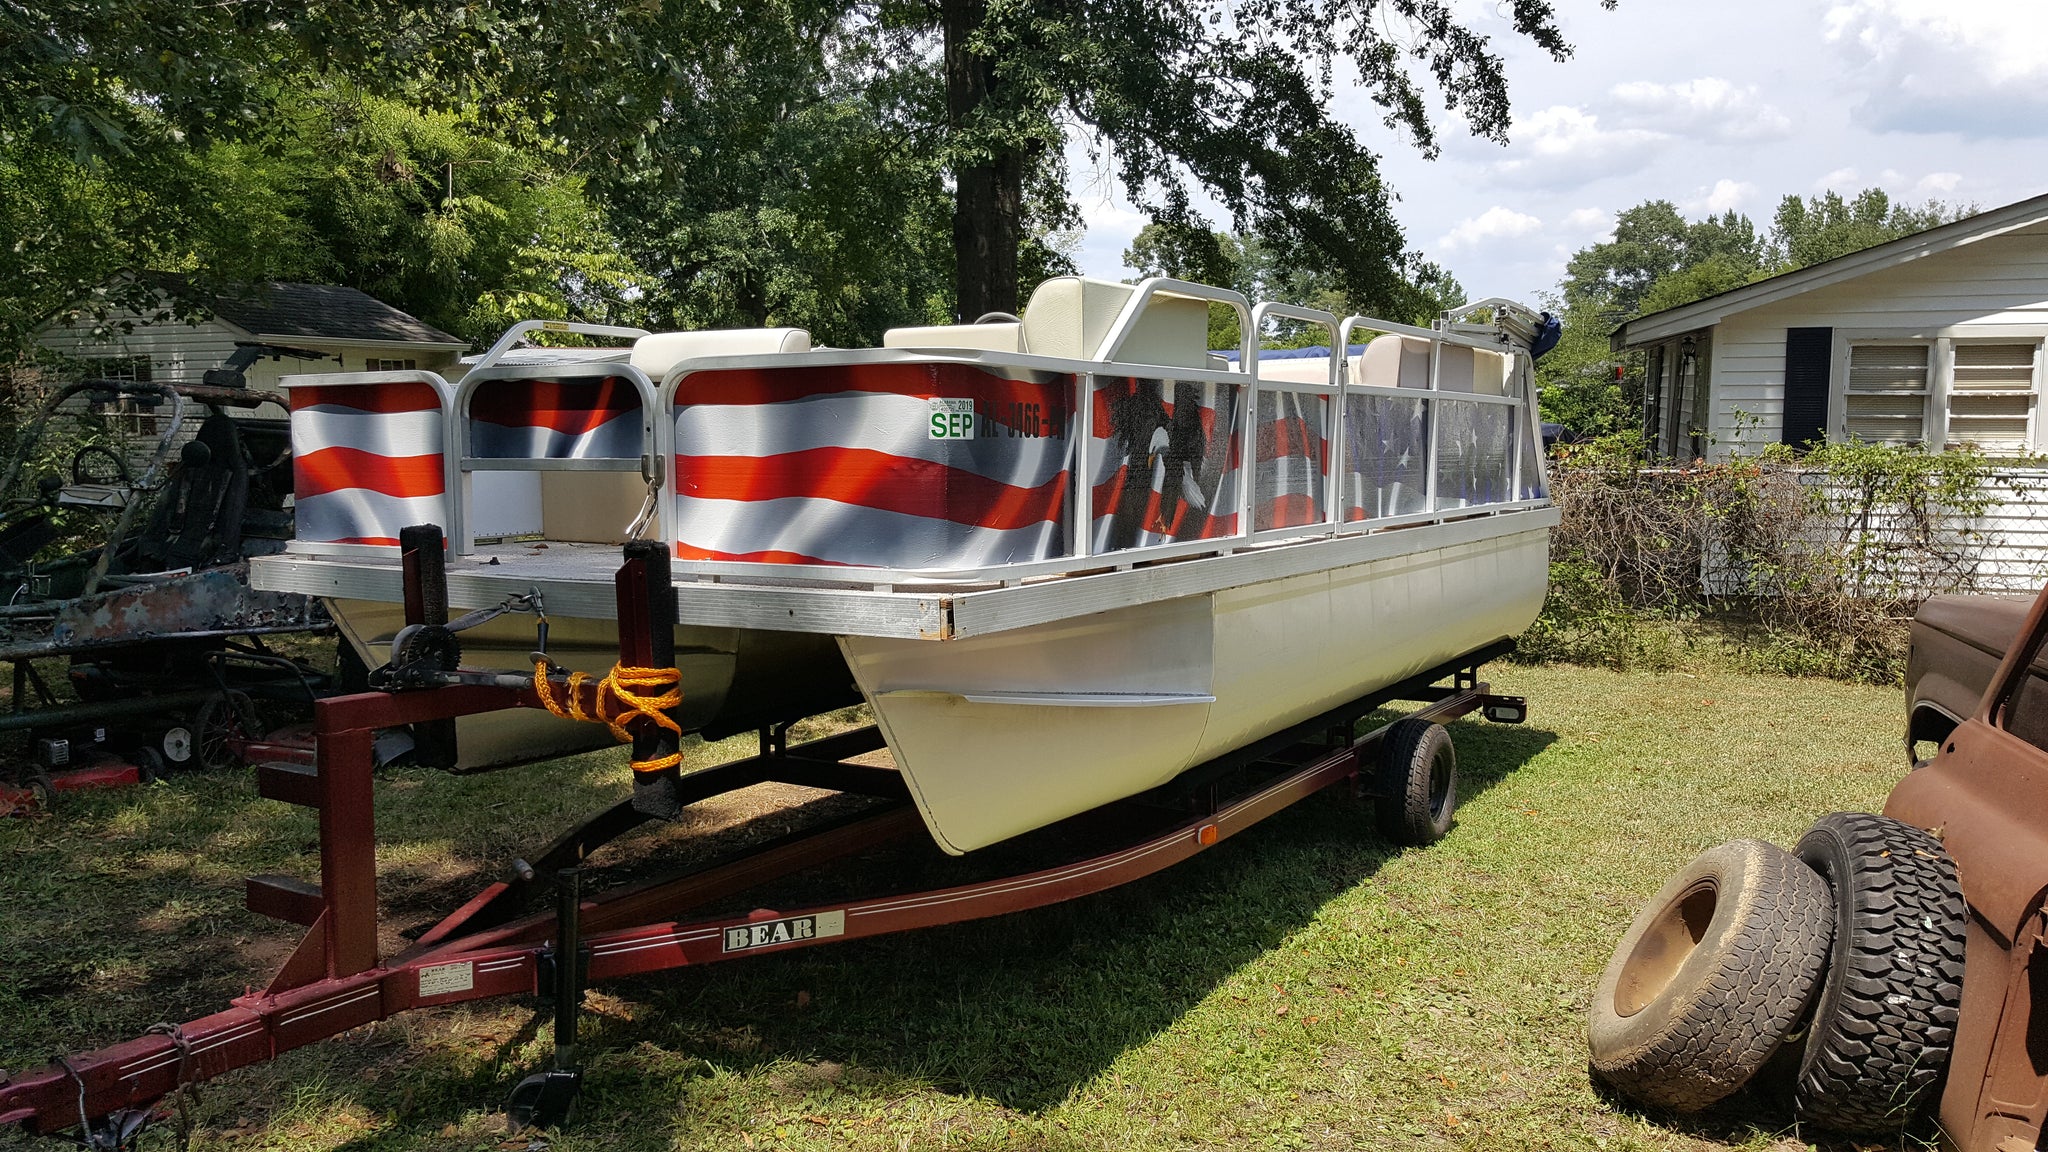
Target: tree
{"type": "Point", "coordinates": [1233, 97]}
{"type": "Point", "coordinates": [1652, 241]}
{"type": "Point", "coordinates": [1823, 227]}
{"type": "Point", "coordinates": [1251, 266]}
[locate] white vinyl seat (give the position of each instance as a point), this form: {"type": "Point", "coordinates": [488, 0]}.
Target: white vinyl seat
{"type": "Point", "coordinates": [1004, 336]}
{"type": "Point", "coordinates": [658, 355]}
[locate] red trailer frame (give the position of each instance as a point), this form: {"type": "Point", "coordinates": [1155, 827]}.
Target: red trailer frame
{"type": "Point", "coordinates": [335, 980]}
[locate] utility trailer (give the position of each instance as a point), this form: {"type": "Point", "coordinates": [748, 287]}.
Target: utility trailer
{"type": "Point", "coordinates": [504, 941]}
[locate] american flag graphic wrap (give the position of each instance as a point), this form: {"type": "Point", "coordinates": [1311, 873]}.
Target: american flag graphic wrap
{"type": "Point", "coordinates": [367, 460]}
{"type": "Point", "coordinates": [883, 465]}
{"type": "Point", "coordinates": [846, 465]}
{"type": "Point", "coordinates": [1292, 460]}
{"type": "Point", "coordinates": [1386, 454]}
{"type": "Point", "coordinates": [1166, 457]}
{"type": "Point", "coordinates": [571, 419]}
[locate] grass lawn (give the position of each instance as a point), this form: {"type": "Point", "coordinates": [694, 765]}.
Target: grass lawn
{"type": "Point", "coordinates": [1301, 986]}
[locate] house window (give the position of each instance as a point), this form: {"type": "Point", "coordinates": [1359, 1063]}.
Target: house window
{"type": "Point", "coordinates": [1887, 392]}
{"type": "Point", "coordinates": [406, 365]}
{"type": "Point", "coordinates": [1991, 396]}
{"type": "Point", "coordinates": [131, 368]}
{"type": "Point", "coordinates": [1951, 392]}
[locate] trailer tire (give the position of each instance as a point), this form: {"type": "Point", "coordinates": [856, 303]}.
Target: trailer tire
{"type": "Point", "coordinates": [1418, 782]}
{"type": "Point", "coordinates": [1886, 1014]}
{"type": "Point", "coordinates": [1711, 976]}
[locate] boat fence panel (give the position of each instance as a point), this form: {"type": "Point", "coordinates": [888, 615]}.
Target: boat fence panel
{"type": "Point", "coordinates": [1386, 455]}
{"type": "Point", "coordinates": [546, 419]}
{"type": "Point", "coordinates": [367, 460]}
{"type": "Point", "coordinates": [899, 465]}
{"type": "Point", "coordinates": [1475, 447]}
{"type": "Point", "coordinates": [1166, 458]}
{"type": "Point", "coordinates": [1291, 472]}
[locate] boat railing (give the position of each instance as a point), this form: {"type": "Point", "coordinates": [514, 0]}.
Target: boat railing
{"type": "Point", "coordinates": [1294, 423]}
{"type": "Point", "coordinates": [877, 467]}
{"type": "Point", "coordinates": [532, 445]}
{"type": "Point", "coordinates": [518, 331]}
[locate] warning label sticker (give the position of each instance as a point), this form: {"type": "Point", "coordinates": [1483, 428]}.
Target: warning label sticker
{"type": "Point", "coordinates": [441, 979]}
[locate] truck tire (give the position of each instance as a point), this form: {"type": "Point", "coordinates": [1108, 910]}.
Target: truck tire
{"type": "Point", "coordinates": [1716, 969]}
{"type": "Point", "coordinates": [1886, 1014]}
{"type": "Point", "coordinates": [1418, 784]}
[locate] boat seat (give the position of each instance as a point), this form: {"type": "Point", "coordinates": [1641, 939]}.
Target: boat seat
{"type": "Point", "coordinates": [1391, 360]}
{"type": "Point", "coordinates": [1071, 316]}
{"type": "Point", "coordinates": [658, 355]}
{"type": "Point", "coordinates": [1006, 336]}
{"type": "Point", "coordinates": [1306, 370]}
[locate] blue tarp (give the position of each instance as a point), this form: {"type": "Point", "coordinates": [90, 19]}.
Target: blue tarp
{"type": "Point", "coordinates": [1316, 351]}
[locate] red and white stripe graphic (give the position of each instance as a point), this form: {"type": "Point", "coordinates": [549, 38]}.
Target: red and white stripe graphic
{"type": "Point", "coordinates": [556, 419]}
{"type": "Point", "coordinates": [367, 460]}
{"type": "Point", "coordinates": [1293, 459]}
{"type": "Point", "coordinates": [839, 465]}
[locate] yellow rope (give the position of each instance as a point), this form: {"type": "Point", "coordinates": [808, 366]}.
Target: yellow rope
{"type": "Point", "coordinates": [623, 694]}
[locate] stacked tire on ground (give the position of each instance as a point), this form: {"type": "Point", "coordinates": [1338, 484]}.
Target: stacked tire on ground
{"type": "Point", "coordinates": [1831, 974]}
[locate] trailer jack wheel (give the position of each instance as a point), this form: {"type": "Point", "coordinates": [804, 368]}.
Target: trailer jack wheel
{"type": "Point", "coordinates": [545, 1099]}
{"type": "Point", "coordinates": [548, 1099]}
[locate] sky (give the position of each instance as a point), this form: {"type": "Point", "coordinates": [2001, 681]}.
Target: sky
{"type": "Point", "coordinates": [1711, 104]}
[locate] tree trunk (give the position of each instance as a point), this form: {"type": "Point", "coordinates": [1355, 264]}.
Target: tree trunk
{"type": "Point", "coordinates": [988, 198]}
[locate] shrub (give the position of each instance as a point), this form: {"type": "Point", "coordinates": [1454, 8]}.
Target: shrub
{"type": "Point", "coordinates": [1810, 563]}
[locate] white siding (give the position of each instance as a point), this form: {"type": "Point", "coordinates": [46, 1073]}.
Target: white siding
{"type": "Point", "coordinates": [181, 353]}
{"type": "Point", "coordinates": [1997, 286]}
{"type": "Point", "coordinates": [2014, 555]}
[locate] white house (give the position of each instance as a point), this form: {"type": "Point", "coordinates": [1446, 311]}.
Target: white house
{"type": "Point", "coordinates": [350, 330]}
{"type": "Point", "coordinates": [1933, 339]}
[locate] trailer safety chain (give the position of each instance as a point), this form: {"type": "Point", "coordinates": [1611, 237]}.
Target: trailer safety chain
{"type": "Point", "coordinates": [624, 693]}
{"type": "Point", "coordinates": [186, 1093]}
{"type": "Point", "coordinates": [117, 1133]}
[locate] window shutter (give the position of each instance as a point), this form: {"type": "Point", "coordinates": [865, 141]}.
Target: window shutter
{"type": "Point", "coordinates": [1807, 352]}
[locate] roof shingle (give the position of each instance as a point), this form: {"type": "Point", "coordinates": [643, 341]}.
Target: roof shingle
{"type": "Point", "coordinates": [310, 311]}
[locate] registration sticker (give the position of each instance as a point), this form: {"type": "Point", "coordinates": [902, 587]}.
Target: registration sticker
{"type": "Point", "coordinates": [951, 419]}
{"type": "Point", "coordinates": [787, 930]}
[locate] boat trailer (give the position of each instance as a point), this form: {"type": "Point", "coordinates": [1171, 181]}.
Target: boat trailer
{"type": "Point", "coordinates": [493, 945]}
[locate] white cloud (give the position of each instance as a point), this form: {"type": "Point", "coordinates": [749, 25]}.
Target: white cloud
{"type": "Point", "coordinates": [1725, 195]}
{"type": "Point", "coordinates": [1935, 185]}
{"type": "Point", "coordinates": [1489, 227]}
{"type": "Point", "coordinates": [1974, 69]}
{"type": "Point", "coordinates": [1565, 146]}
{"type": "Point", "coordinates": [1839, 180]}
{"type": "Point", "coordinates": [1708, 108]}
{"type": "Point", "coordinates": [1595, 222]}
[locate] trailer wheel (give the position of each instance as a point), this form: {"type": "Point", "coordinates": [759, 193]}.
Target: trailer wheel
{"type": "Point", "coordinates": [1418, 785]}
{"type": "Point", "coordinates": [1886, 1014]}
{"type": "Point", "coordinates": [225, 719]}
{"type": "Point", "coordinates": [1716, 969]}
